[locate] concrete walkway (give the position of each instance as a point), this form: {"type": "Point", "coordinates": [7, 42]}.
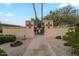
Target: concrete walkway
{"type": "Point", "coordinates": [39, 47]}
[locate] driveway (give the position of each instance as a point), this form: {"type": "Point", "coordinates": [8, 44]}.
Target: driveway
{"type": "Point", "coordinates": [40, 46]}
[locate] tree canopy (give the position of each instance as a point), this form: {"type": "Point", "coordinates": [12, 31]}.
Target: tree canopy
{"type": "Point", "coordinates": [66, 16]}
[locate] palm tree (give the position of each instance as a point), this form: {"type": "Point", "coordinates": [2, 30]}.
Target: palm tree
{"type": "Point", "coordinates": [42, 11]}
{"type": "Point", "coordinates": [35, 11]}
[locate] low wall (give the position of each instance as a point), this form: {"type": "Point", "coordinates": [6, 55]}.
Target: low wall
{"type": "Point", "coordinates": [59, 31]}
{"type": "Point", "coordinates": [29, 32]}
{"type": "Point", "coordinates": [19, 32]}
{"type": "Point", "coordinates": [53, 32]}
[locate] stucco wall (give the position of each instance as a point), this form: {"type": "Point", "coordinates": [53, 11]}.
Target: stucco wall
{"type": "Point", "coordinates": [19, 32]}
{"type": "Point", "coordinates": [59, 31]}
{"type": "Point", "coordinates": [48, 31]}
{"type": "Point", "coordinates": [29, 32]}
{"type": "Point", "coordinates": [53, 31]}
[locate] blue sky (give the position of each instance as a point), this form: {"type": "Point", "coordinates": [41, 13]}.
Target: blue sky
{"type": "Point", "coordinates": [18, 13]}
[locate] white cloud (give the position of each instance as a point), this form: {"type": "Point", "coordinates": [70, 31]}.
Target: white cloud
{"type": "Point", "coordinates": [63, 5]}
{"type": "Point", "coordinates": [74, 4]}
{"type": "Point", "coordinates": [8, 4]}
{"type": "Point", "coordinates": [9, 14]}
{"type": "Point", "coordinates": [66, 4]}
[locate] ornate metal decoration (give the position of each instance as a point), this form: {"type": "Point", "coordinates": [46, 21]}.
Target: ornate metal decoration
{"type": "Point", "coordinates": [48, 25]}
{"type": "Point", "coordinates": [29, 25]}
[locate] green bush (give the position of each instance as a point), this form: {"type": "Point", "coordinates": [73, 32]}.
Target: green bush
{"type": "Point", "coordinates": [2, 52]}
{"type": "Point", "coordinates": [7, 38]}
{"type": "Point", "coordinates": [72, 38]}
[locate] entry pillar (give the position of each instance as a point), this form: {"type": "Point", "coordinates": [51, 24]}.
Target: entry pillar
{"type": "Point", "coordinates": [30, 29]}
{"type": "Point", "coordinates": [48, 30]}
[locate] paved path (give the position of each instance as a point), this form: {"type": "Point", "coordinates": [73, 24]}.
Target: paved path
{"type": "Point", "coordinates": [39, 47]}
{"type": "Point", "coordinates": [58, 47]}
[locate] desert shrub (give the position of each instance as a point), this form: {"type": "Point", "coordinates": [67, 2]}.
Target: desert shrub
{"type": "Point", "coordinates": [72, 38]}
{"type": "Point", "coordinates": [75, 51]}
{"type": "Point", "coordinates": [2, 52]}
{"type": "Point", "coordinates": [7, 38]}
